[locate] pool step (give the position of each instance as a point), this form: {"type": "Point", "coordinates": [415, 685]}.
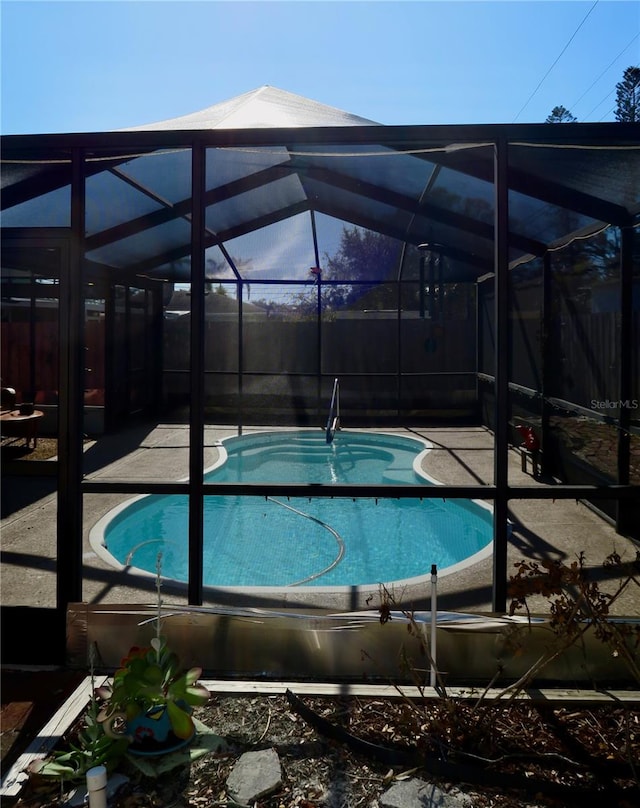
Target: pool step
{"type": "Point", "coordinates": [314, 450]}
{"type": "Point", "coordinates": [297, 452]}
{"type": "Point", "coordinates": [253, 462]}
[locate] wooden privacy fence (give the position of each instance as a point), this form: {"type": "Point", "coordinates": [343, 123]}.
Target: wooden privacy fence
{"type": "Point", "coordinates": [584, 353]}
{"type": "Point", "coordinates": [29, 358]}
{"type": "Point", "coordinates": [586, 357]}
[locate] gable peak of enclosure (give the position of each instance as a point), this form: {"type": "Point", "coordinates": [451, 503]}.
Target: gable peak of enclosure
{"type": "Point", "coordinates": [261, 108]}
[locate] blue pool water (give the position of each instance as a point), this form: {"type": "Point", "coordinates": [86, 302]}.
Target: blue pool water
{"type": "Point", "coordinates": [258, 541]}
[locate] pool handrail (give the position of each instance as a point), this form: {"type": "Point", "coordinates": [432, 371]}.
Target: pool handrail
{"type": "Point", "coordinates": [333, 422]}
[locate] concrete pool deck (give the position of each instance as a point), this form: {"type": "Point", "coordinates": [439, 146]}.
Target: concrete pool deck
{"type": "Point", "coordinates": [542, 529]}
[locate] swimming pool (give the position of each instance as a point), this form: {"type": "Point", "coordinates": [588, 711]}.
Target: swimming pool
{"type": "Point", "coordinates": [304, 541]}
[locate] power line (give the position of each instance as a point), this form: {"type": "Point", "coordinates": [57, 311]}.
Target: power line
{"type": "Point", "coordinates": [526, 104]}
{"type": "Point", "coordinates": [599, 104]}
{"type": "Point", "coordinates": [611, 92]}
{"type": "Point", "coordinates": [607, 114]}
{"type": "Point", "coordinates": [626, 47]}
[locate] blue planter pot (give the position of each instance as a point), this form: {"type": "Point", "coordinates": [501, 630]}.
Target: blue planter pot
{"type": "Point", "coordinates": [152, 734]}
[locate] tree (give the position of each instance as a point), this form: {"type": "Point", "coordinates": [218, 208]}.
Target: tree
{"type": "Point", "coordinates": [628, 96]}
{"type": "Point", "coordinates": [560, 115]}
{"type": "Point", "coordinates": [355, 276]}
{"type": "Point", "coordinates": [363, 255]}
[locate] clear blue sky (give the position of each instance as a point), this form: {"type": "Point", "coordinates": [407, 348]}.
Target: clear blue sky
{"type": "Point", "coordinates": [80, 65]}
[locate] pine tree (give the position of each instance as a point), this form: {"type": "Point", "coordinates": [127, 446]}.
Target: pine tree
{"type": "Point", "coordinates": [628, 96]}
{"type": "Point", "coordinates": [560, 115]}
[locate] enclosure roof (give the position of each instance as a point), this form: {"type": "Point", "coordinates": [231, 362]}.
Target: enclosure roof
{"type": "Point", "coordinates": [283, 175]}
{"type": "Point", "coordinates": [263, 107]}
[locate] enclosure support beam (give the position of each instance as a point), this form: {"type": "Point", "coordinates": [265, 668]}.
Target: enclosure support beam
{"type": "Point", "coordinates": [32, 336]}
{"type": "Point", "coordinates": [545, 356]}
{"type": "Point", "coordinates": [399, 346]}
{"type": "Point", "coordinates": [316, 258]}
{"type": "Point", "coordinates": [157, 357]}
{"type": "Point", "coordinates": [70, 400]}
{"type": "Point", "coordinates": [501, 445]}
{"type": "Point", "coordinates": [421, 288]}
{"type": "Point", "coordinates": [240, 288]}
{"type": "Point", "coordinates": [626, 366]}
{"type": "Point", "coordinates": [110, 365]}
{"type": "Point", "coordinates": [240, 370]}
{"type": "Point", "coordinates": [319, 341]}
{"type": "Point", "coordinates": [125, 359]}
{"type": "Point", "coordinates": [196, 378]}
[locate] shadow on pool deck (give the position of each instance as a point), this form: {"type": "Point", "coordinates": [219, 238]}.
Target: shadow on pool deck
{"type": "Point", "coordinates": [26, 480]}
{"type": "Point", "coordinates": [541, 529]}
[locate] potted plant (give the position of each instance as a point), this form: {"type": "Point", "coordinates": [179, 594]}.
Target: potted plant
{"type": "Point", "coordinates": [151, 699]}
{"type": "Point", "coordinates": [145, 710]}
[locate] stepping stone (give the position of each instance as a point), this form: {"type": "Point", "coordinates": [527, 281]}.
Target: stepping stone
{"type": "Point", "coordinates": [416, 793]}
{"type": "Point", "coordinates": [255, 775]}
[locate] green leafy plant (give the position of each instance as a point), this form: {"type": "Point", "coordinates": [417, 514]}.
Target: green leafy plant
{"type": "Point", "coordinates": [151, 679]}
{"type": "Point", "coordinates": [90, 747]}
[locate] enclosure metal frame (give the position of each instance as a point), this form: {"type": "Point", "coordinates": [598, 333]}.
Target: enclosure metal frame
{"type": "Point", "coordinates": [71, 484]}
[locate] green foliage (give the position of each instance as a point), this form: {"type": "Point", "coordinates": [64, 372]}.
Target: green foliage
{"type": "Point", "coordinates": [366, 256]}
{"type": "Point", "coordinates": [560, 115]}
{"type": "Point", "coordinates": [363, 256]}
{"type": "Point", "coordinates": [152, 677]}
{"type": "Point", "coordinates": [91, 747]}
{"type": "Point", "coordinates": [147, 679]}
{"type": "Point", "coordinates": [628, 96]}
{"type": "Point", "coordinates": [354, 277]}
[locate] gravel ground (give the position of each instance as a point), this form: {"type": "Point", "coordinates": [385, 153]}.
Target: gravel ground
{"type": "Point", "coordinates": [559, 756]}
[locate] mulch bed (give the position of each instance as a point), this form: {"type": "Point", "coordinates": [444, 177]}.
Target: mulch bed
{"type": "Point", "coordinates": [345, 753]}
